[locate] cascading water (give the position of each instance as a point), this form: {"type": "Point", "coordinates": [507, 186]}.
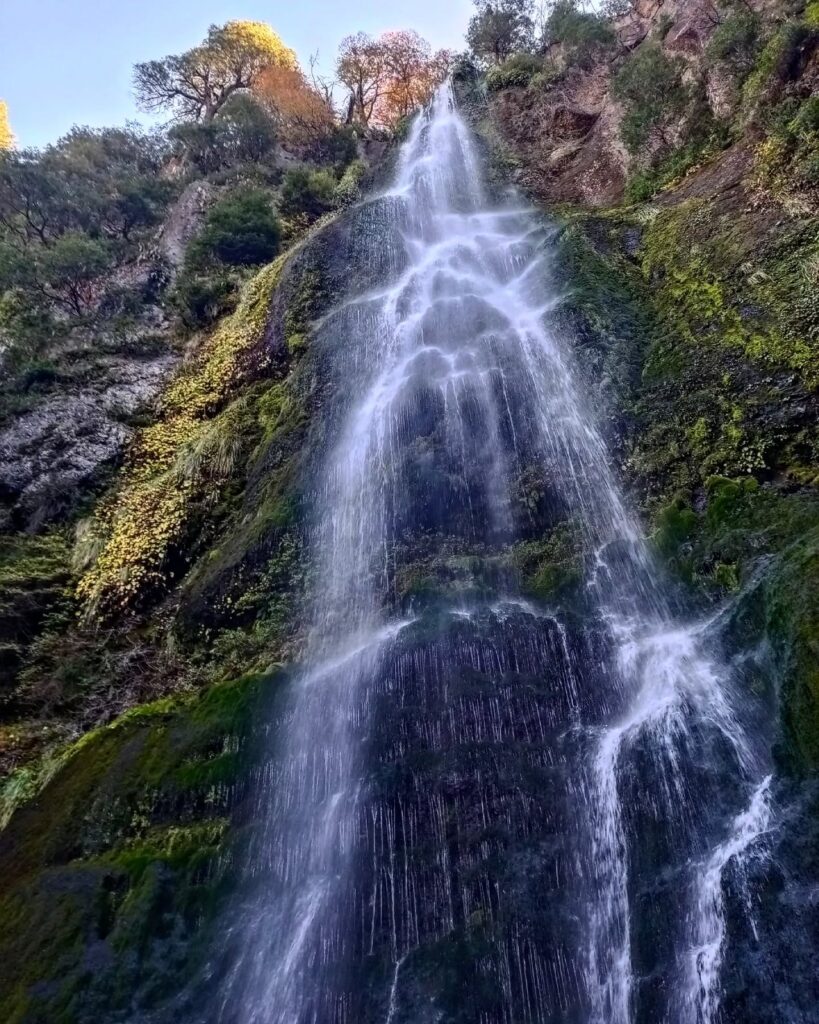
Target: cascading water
{"type": "Point", "coordinates": [478, 809]}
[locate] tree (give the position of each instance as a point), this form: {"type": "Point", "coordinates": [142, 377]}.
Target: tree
{"type": "Point", "coordinates": [360, 67]}
{"type": "Point", "coordinates": [736, 41]}
{"type": "Point", "coordinates": [584, 34]}
{"type": "Point", "coordinates": [389, 77]}
{"type": "Point", "coordinates": [195, 85]}
{"type": "Point", "coordinates": [499, 29]}
{"type": "Point", "coordinates": [303, 115]}
{"type": "Point", "coordinates": [67, 271]}
{"type": "Point", "coordinates": [246, 133]}
{"type": "Point", "coordinates": [111, 179]}
{"type": "Point", "coordinates": [6, 134]}
{"type": "Point", "coordinates": [412, 73]}
{"type": "Point", "coordinates": [97, 181]}
{"type": "Point", "coordinates": [33, 198]}
{"type": "Point", "coordinates": [650, 86]}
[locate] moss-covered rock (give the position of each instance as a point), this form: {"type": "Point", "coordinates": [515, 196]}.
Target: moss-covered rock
{"type": "Point", "coordinates": [113, 872]}
{"type": "Point", "coordinates": [35, 575]}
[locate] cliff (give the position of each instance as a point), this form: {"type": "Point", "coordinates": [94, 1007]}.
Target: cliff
{"type": "Point", "coordinates": [157, 499]}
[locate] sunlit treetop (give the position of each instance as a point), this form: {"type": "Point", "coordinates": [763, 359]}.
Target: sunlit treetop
{"type": "Point", "coordinates": [196, 84]}
{"type": "Point", "coordinates": [6, 134]}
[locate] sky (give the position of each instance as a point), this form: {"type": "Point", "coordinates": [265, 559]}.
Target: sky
{"type": "Point", "coordinates": [66, 62]}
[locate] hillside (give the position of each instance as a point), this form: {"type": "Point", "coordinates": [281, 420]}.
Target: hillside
{"type": "Point", "coordinates": [172, 391]}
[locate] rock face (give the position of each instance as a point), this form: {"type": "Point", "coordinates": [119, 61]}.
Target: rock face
{"type": "Point", "coordinates": [50, 455]}
{"type": "Point", "coordinates": [184, 220]}
{"type": "Point", "coordinates": [568, 138]}
{"type": "Point", "coordinates": [568, 132]}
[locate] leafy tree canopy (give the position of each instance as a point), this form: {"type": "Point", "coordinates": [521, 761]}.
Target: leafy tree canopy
{"type": "Point", "coordinates": [499, 29]}
{"type": "Point", "coordinates": [102, 181]}
{"type": "Point", "coordinates": [389, 77]}
{"type": "Point", "coordinates": [582, 32]}
{"type": "Point", "coordinates": [195, 85]}
{"type": "Point", "coordinates": [650, 86]}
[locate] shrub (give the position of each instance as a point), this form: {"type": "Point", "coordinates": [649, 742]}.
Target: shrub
{"type": "Point", "coordinates": [348, 190]}
{"type": "Point", "coordinates": [582, 33]}
{"type": "Point", "coordinates": [517, 70]}
{"type": "Point", "coordinates": [241, 230]}
{"type": "Point", "coordinates": [338, 147]}
{"type": "Point", "coordinates": [309, 193]}
{"type": "Point", "coordinates": [545, 78]}
{"type": "Point", "coordinates": [464, 68]}
{"type": "Point", "coordinates": [736, 42]}
{"type": "Point", "coordinates": [650, 87]}
{"type": "Point", "coordinates": [243, 132]}
{"type": "Point", "coordinates": [200, 297]}
{"type": "Point", "coordinates": [775, 63]}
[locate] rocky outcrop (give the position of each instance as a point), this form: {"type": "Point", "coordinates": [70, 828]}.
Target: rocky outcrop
{"type": "Point", "coordinates": [567, 138]}
{"type": "Point", "coordinates": [52, 454]}
{"type": "Point", "coordinates": [184, 220]}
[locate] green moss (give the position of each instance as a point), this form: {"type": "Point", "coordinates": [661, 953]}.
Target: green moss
{"type": "Point", "coordinates": [708, 289]}
{"type": "Point", "coordinates": [763, 544]}
{"type": "Point", "coordinates": [302, 306]}
{"type": "Point", "coordinates": [673, 528]}
{"type": "Point", "coordinates": [792, 604]}
{"type": "Point", "coordinates": [123, 847]}
{"type": "Point", "coordinates": [296, 343]}
{"type": "Point", "coordinates": [182, 847]}
{"type": "Point", "coordinates": [35, 574]}
{"type": "Point", "coordinates": [771, 67]}
{"type": "Point", "coordinates": [550, 568]}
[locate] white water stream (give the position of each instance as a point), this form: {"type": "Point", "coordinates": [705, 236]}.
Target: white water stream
{"type": "Point", "coordinates": [453, 378]}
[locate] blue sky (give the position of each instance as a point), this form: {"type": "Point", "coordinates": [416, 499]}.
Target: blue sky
{"type": "Point", "coordinates": [65, 62]}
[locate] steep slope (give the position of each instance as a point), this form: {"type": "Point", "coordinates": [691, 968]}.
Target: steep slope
{"type": "Point", "coordinates": [692, 318]}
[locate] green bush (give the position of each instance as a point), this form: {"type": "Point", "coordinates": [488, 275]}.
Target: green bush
{"type": "Point", "coordinates": [464, 68]}
{"type": "Point", "coordinates": [736, 42]}
{"type": "Point", "coordinates": [774, 64]}
{"type": "Point", "coordinates": [583, 33]}
{"type": "Point", "coordinates": [307, 193]}
{"type": "Point", "coordinates": [240, 230]}
{"type": "Point", "coordinates": [517, 70]}
{"type": "Point", "coordinates": [338, 147]}
{"type": "Point", "coordinates": [348, 190]}
{"type": "Point", "coordinates": [651, 89]}
{"type": "Point", "coordinates": [243, 132]}
{"type": "Point", "coordinates": [201, 297]}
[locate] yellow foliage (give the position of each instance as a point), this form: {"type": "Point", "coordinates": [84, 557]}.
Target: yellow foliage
{"type": "Point", "coordinates": [183, 460]}
{"type": "Point", "coordinates": [6, 134]}
{"type": "Point", "coordinates": [226, 356]}
{"type": "Point", "coordinates": [252, 41]}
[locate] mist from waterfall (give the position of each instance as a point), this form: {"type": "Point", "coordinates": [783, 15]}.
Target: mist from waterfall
{"type": "Point", "coordinates": [478, 807]}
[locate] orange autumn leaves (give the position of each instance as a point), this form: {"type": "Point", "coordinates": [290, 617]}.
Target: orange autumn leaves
{"type": "Point", "coordinates": [385, 80]}
{"type": "Point", "coordinates": [388, 77]}
{"type": "Point", "coordinates": [302, 113]}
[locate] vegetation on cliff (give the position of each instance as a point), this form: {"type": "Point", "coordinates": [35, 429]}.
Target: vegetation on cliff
{"type": "Point", "coordinates": [144, 614]}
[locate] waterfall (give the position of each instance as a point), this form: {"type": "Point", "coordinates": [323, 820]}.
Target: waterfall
{"type": "Point", "coordinates": [480, 806]}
